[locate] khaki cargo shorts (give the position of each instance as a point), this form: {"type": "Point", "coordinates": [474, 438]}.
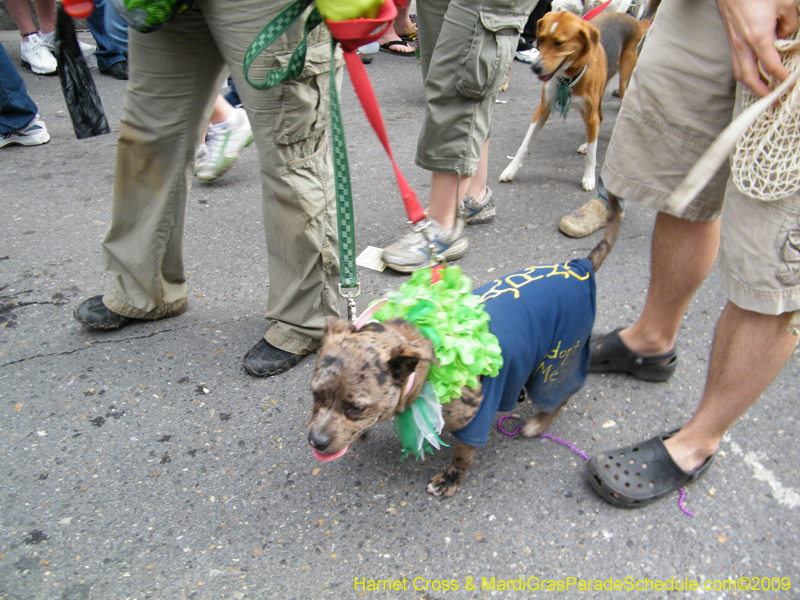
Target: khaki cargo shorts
{"type": "Point", "coordinates": [466, 51]}
{"type": "Point", "coordinates": [681, 96]}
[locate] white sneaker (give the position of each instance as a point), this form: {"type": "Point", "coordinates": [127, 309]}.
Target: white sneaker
{"type": "Point", "coordinates": [33, 134]}
{"type": "Point", "coordinates": [411, 252]}
{"type": "Point", "coordinates": [225, 141]}
{"type": "Point", "coordinates": [36, 55]}
{"type": "Point", "coordinates": [527, 56]}
{"type": "Point", "coordinates": [49, 40]}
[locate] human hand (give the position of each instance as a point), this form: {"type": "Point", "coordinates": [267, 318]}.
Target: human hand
{"type": "Point", "coordinates": [752, 27]}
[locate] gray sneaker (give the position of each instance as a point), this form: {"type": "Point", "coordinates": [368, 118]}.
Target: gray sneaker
{"type": "Point", "coordinates": [200, 157]}
{"type": "Point", "coordinates": [410, 252]}
{"type": "Point", "coordinates": [474, 212]}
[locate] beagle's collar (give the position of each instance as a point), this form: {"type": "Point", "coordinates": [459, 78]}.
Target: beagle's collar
{"type": "Point", "coordinates": [564, 88]}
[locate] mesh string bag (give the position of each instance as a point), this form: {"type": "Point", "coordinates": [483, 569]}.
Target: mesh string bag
{"type": "Point", "coordinates": [766, 162]}
{"type": "Point", "coordinates": [763, 142]}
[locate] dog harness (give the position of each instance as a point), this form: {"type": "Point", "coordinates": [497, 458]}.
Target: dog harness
{"type": "Point", "coordinates": [542, 317]}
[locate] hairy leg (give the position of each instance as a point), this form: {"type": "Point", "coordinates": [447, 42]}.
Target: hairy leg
{"type": "Point", "coordinates": [749, 351]}
{"type": "Point", "coordinates": [682, 255]}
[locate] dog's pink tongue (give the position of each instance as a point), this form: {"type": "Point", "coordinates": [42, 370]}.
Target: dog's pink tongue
{"type": "Point", "coordinates": [328, 457]}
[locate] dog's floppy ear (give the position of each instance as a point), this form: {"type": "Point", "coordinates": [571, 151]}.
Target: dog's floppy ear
{"type": "Point", "coordinates": [539, 24]}
{"type": "Point", "coordinates": [335, 327]}
{"type": "Point", "coordinates": [406, 357]}
{"type": "Point", "coordinates": [590, 36]}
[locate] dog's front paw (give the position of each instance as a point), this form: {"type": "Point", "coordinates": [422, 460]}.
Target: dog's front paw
{"type": "Point", "coordinates": [510, 171]}
{"type": "Point", "coordinates": [588, 182]}
{"type": "Point", "coordinates": [582, 148]}
{"type": "Point", "coordinates": [445, 483]}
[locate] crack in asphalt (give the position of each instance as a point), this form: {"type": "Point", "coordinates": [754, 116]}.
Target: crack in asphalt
{"type": "Point", "coordinates": [92, 345]}
{"type": "Point", "coordinates": [14, 304]}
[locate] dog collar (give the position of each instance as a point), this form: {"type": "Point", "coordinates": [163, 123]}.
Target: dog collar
{"type": "Point", "coordinates": [564, 88]}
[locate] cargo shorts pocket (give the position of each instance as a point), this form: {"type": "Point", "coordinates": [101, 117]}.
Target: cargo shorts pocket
{"type": "Point", "coordinates": [788, 272]}
{"type": "Point", "coordinates": [305, 102]}
{"type": "Point", "coordinates": [490, 54]}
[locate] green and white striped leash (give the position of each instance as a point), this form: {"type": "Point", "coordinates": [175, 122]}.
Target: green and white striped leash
{"type": "Point", "coordinates": [344, 194]}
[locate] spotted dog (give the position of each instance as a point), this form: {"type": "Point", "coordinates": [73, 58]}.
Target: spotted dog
{"type": "Point", "coordinates": [542, 317]}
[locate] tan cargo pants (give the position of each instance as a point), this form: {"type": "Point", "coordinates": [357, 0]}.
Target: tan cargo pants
{"type": "Point", "coordinates": [175, 75]}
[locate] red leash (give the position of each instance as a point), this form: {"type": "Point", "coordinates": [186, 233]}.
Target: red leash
{"type": "Point", "coordinates": [366, 95]}
{"type": "Point", "coordinates": [596, 11]}
{"type": "Point", "coordinates": [351, 35]}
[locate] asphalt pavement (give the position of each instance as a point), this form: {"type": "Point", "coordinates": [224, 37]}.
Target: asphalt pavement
{"type": "Point", "coordinates": [145, 463]}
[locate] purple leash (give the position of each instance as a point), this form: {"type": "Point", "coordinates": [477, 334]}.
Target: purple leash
{"type": "Point", "coordinates": [575, 449]}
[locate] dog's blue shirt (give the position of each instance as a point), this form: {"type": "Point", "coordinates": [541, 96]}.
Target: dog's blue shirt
{"type": "Point", "coordinates": [542, 317]}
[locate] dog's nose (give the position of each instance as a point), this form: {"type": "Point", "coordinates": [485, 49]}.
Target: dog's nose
{"type": "Point", "coordinates": [537, 67]}
{"type": "Point", "coordinates": [319, 441]}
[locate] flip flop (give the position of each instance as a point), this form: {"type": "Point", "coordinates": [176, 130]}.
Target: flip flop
{"type": "Point", "coordinates": [410, 35]}
{"type": "Point", "coordinates": [609, 354]}
{"type": "Point", "coordinates": [635, 476]}
{"type": "Point", "coordinates": [387, 47]}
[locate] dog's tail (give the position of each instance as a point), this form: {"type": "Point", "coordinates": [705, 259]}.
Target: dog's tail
{"type": "Point", "coordinates": [600, 252]}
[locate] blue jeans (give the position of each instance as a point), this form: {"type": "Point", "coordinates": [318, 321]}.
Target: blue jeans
{"type": "Point", "coordinates": [232, 96]}
{"type": "Point", "coordinates": [16, 107]}
{"type": "Point", "coordinates": [110, 32]}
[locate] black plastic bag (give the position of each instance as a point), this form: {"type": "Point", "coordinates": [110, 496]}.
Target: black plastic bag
{"type": "Point", "coordinates": [80, 93]}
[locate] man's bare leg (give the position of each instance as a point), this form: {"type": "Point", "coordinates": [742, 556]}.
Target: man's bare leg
{"type": "Point", "coordinates": [682, 255]}
{"type": "Point", "coordinates": [749, 351]}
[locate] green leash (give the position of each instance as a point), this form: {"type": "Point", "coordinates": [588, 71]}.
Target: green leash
{"type": "Point", "coordinates": [344, 194]}
{"type": "Point", "coordinates": [275, 29]}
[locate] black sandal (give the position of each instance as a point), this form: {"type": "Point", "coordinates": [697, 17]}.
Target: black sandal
{"type": "Point", "coordinates": [635, 476]}
{"type": "Point", "coordinates": [611, 355]}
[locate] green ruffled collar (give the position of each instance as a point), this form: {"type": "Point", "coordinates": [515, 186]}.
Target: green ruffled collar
{"type": "Point", "coordinates": [446, 312]}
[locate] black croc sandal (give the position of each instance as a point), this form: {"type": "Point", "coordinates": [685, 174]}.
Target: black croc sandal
{"type": "Point", "coordinates": [611, 355]}
{"type": "Point", "coordinates": [635, 476]}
